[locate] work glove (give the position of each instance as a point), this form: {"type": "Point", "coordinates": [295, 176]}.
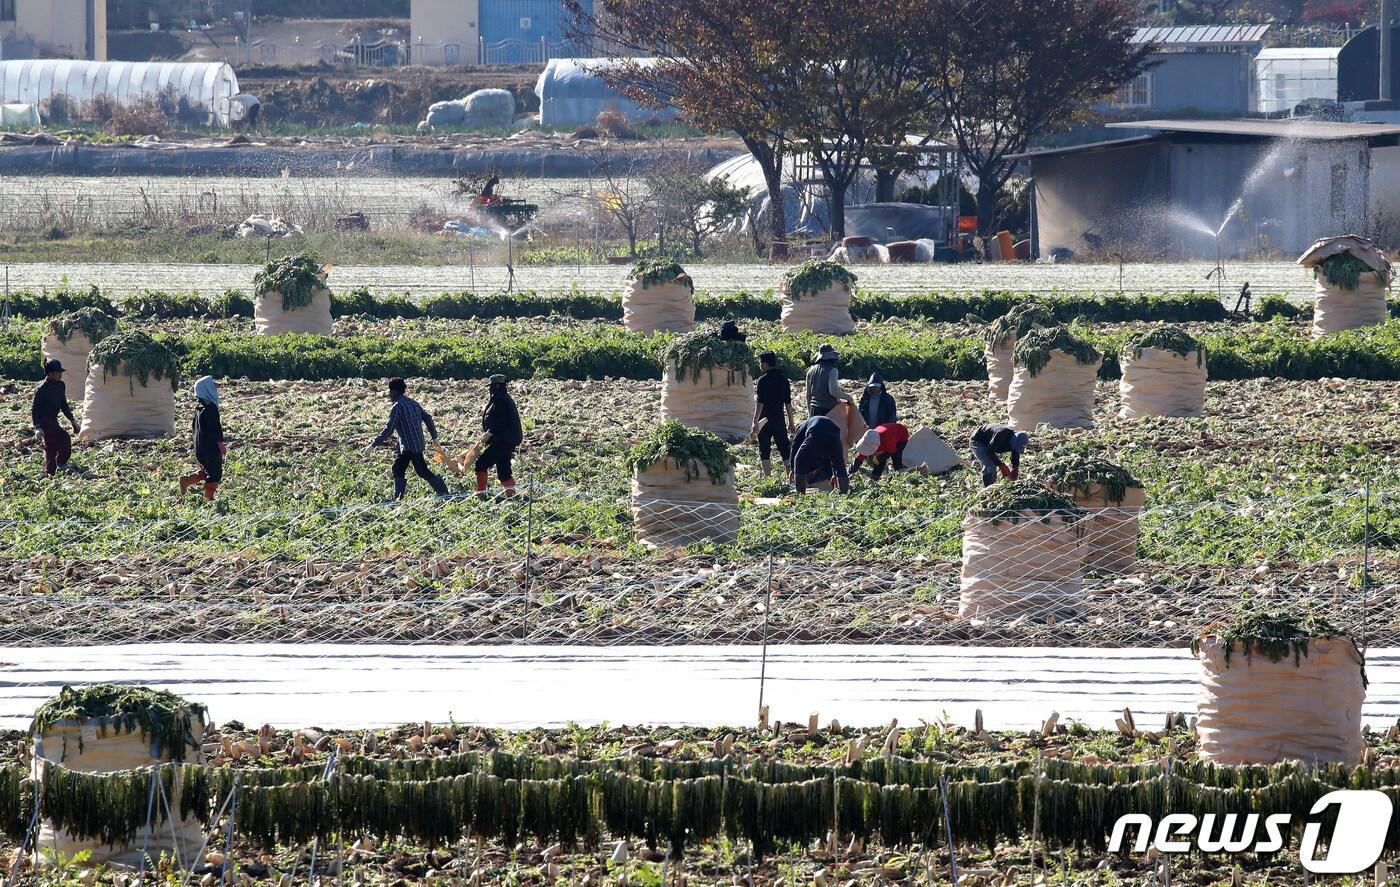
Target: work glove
{"type": "Point", "coordinates": [1005, 472]}
{"type": "Point", "coordinates": [1015, 474]}
{"type": "Point", "coordinates": [223, 448]}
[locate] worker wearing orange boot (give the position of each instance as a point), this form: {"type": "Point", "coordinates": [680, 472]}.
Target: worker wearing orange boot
{"type": "Point", "coordinates": [209, 444]}
{"type": "Point", "coordinates": [501, 423]}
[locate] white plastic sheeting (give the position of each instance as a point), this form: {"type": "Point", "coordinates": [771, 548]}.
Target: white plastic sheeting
{"type": "Point", "coordinates": [573, 92]}
{"type": "Point", "coordinates": [19, 115]}
{"type": "Point", "coordinates": [210, 86]}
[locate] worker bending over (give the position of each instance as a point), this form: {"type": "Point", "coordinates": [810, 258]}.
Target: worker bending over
{"type": "Point", "coordinates": [989, 442]}
{"type": "Point", "coordinates": [772, 413]}
{"type": "Point", "coordinates": [881, 444]}
{"type": "Point", "coordinates": [500, 421]}
{"type": "Point", "coordinates": [406, 422]}
{"type": "Point", "coordinates": [824, 383]}
{"type": "Point", "coordinates": [51, 399]}
{"type": "Point", "coordinates": [818, 454]}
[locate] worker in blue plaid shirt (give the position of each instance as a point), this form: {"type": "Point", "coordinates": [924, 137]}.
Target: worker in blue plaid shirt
{"type": "Point", "coordinates": [406, 422]}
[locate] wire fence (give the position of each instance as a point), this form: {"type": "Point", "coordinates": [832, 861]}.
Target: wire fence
{"type": "Point", "coordinates": [560, 566]}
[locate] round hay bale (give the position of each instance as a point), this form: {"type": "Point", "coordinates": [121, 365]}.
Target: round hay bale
{"type": "Point", "coordinates": [1022, 555]}
{"type": "Point", "coordinates": [816, 297]}
{"type": "Point", "coordinates": [108, 743]}
{"type": "Point", "coordinates": [130, 389]}
{"type": "Point", "coordinates": [1256, 710]}
{"type": "Point", "coordinates": [903, 251]}
{"type": "Point", "coordinates": [290, 296]}
{"type": "Point", "coordinates": [658, 297]}
{"type": "Point", "coordinates": [71, 337]}
{"type": "Point", "coordinates": [1053, 382]}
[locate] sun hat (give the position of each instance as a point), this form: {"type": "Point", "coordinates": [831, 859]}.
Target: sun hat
{"type": "Point", "coordinates": [53, 366]}
{"type": "Point", "coordinates": [868, 444]}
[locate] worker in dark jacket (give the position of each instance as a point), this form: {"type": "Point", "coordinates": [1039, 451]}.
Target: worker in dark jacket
{"type": "Point", "coordinates": [210, 447]}
{"type": "Point", "coordinates": [406, 422]}
{"type": "Point", "coordinates": [989, 442]}
{"type": "Point", "coordinates": [501, 423]}
{"type": "Point", "coordinates": [824, 383]}
{"type": "Point", "coordinates": [772, 413]}
{"type": "Point", "coordinates": [882, 444]}
{"type": "Point", "coordinates": [51, 400]}
{"type": "Point", "coordinates": [877, 404]}
{"type": "Point", "coordinates": [818, 454]}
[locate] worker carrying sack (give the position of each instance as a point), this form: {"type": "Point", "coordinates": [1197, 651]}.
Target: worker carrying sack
{"type": "Point", "coordinates": [816, 297]}
{"type": "Point", "coordinates": [130, 388]}
{"type": "Point", "coordinates": [1022, 555]}
{"type": "Point", "coordinates": [658, 297]}
{"type": "Point", "coordinates": [290, 296]}
{"type": "Point", "coordinates": [1000, 339]}
{"type": "Point", "coordinates": [1264, 700]}
{"type": "Point", "coordinates": [70, 337]}
{"type": "Point", "coordinates": [1111, 499]}
{"type": "Point", "coordinates": [683, 489]}
{"type": "Point", "coordinates": [1350, 278]}
{"type": "Point", "coordinates": [1054, 381]}
{"type": "Point", "coordinates": [121, 738]}
{"type": "Point", "coordinates": [1163, 373]}
{"type": "Point", "coordinates": [707, 383]}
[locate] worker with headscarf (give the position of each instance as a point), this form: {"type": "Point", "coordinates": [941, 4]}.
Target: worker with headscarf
{"type": "Point", "coordinates": [877, 404]}
{"type": "Point", "coordinates": [818, 455]}
{"type": "Point", "coordinates": [824, 384]}
{"type": "Point", "coordinates": [989, 442]}
{"type": "Point", "coordinates": [210, 447]}
{"type": "Point", "coordinates": [882, 444]}
{"type": "Point", "coordinates": [500, 421]}
{"type": "Point", "coordinates": [406, 422]}
{"type": "Point", "coordinates": [51, 401]}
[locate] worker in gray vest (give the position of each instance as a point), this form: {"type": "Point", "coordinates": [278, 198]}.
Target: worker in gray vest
{"type": "Point", "coordinates": [824, 383]}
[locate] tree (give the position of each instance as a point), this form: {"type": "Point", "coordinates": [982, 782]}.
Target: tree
{"type": "Point", "coordinates": [688, 202]}
{"type": "Point", "coordinates": [725, 65]}
{"type": "Point", "coordinates": [619, 193]}
{"type": "Point", "coordinates": [1018, 70]}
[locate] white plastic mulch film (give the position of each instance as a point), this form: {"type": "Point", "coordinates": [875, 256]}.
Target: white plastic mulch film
{"type": "Point", "coordinates": [209, 86]}
{"type": "Point", "coordinates": [1253, 710]}
{"type": "Point", "coordinates": [670, 510]}
{"type": "Point", "coordinates": [88, 747]}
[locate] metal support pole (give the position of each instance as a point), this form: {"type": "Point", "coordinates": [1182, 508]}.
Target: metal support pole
{"type": "Point", "coordinates": [767, 611]}
{"type": "Point", "coordinates": [227, 867]}
{"type": "Point", "coordinates": [1383, 30]}
{"type": "Point", "coordinates": [525, 581]}
{"type": "Point", "coordinates": [948, 828]}
{"type": "Point", "coordinates": [146, 834]}
{"type": "Point", "coordinates": [5, 317]}
{"type": "Point", "coordinates": [1366, 560]}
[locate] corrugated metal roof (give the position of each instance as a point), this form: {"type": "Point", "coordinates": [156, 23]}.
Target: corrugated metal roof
{"type": "Point", "coordinates": [1269, 129]}
{"type": "Point", "coordinates": [1201, 35]}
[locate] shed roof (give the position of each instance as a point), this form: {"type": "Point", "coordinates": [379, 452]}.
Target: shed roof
{"type": "Point", "coordinates": [1201, 35]}
{"type": "Point", "coordinates": [1299, 52]}
{"type": "Point", "coordinates": [1320, 130]}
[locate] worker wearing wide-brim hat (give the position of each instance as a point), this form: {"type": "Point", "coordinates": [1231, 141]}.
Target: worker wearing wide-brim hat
{"type": "Point", "coordinates": [51, 400]}
{"type": "Point", "coordinates": [824, 382]}
{"type": "Point", "coordinates": [989, 442]}
{"type": "Point", "coordinates": [500, 421]}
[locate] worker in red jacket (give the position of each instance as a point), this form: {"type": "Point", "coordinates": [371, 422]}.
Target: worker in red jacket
{"type": "Point", "coordinates": [881, 444]}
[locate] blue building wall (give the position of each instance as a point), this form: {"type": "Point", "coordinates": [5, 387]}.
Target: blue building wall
{"type": "Point", "coordinates": [502, 20]}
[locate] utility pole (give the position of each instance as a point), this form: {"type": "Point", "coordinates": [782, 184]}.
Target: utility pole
{"type": "Point", "coordinates": [1383, 30]}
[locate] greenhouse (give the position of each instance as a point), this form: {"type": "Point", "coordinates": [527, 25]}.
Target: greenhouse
{"type": "Point", "coordinates": [206, 87]}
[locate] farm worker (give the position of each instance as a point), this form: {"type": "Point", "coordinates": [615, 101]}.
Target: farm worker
{"type": "Point", "coordinates": [406, 421]}
{"type": "Point", "coordinates": [210, 446]}
{"type": "Point", "coordinates": [729, 332]}
{"type": "Point", "coordinates": [501, 422]}
{"type": "Point", "coordinates": [988, 441]}
{"type": "Point", "coordinates": [882, 443]}
{"type": "Point", "coordinates": [51, 399]}
{"type": "Point", "coordinates": [772, 413]}
{"type": "Point", "coordinates": [489, 189]}
{"type": "Point", "coordinates": [824, 384]}
{"type": "Point", "coordinates": [877, 404]}
{"type": "Point", "coordinates": [818, 454]}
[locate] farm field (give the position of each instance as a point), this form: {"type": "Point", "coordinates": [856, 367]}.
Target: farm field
{"type": "Point", "coordinates": [490, 275]}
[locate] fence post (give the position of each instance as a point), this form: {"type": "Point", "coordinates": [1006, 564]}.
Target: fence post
{"type": "Point", "coordinates": [150, 814]}
{"type": "Point", "coordinates": [227, 867]}
{"type": "Point", "coordinates": [948, 828]}
{"type": "Point", "coordinates": [1366, 559]}
{"type": "Point", "coordinates": [5, 318]}
{"type": "Point", "coordinates": [525, 582]}
{"type": "Point", "coordinates": [767, 610]}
